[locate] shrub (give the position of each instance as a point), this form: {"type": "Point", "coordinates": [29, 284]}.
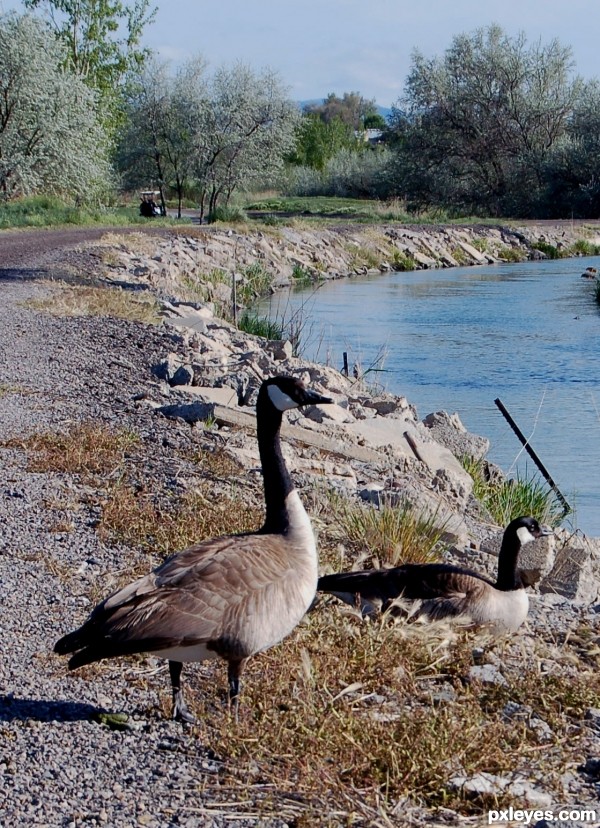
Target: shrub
{"type": "Point", "coordinates": [228, 214]}
{"type": "Point", "coordinates": [506, 499]}
{"type": "Point", "coordinates": [549, 250]}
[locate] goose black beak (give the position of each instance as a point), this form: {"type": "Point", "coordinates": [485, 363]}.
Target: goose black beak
{"type": "Point", "coordinates": [313, 398]}
{"type": "Point", "coordinates": [544, 530]}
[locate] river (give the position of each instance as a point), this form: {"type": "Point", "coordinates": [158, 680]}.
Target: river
{"type": "Point", "coordinates": [457, 339]}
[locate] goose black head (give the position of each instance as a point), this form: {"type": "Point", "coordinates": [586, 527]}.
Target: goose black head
{"type": "Point", "coordinates": [286, 392]}
{"type": "Point", "coordinates": [527, 529]}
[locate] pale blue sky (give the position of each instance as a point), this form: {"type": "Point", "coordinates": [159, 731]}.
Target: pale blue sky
{"type": "Point", "coordinates": [321, 46]}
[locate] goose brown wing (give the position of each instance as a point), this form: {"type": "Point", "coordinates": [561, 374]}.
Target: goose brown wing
{"type": "Point", "coordinates": [412, 581]}
{"type": "Point", "coordinates": [199, 595]}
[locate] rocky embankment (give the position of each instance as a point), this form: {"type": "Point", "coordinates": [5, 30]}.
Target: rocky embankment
{"type": "Point", "coordinates": [184, 387]}
{"type": "Point", "coordinates": [204, 260]}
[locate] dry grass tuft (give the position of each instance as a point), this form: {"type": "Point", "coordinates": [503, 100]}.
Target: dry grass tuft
{"type": "Point", "coordinates": [389, 535]}
{"type": "Point", "coordinates": [340, 718]}
{"type": "Point", "coordinates": [87, 449]}
{"type": "Point", "coordinates": [168, 525]}
{"type": "Point", "coordinates": [95, 301]}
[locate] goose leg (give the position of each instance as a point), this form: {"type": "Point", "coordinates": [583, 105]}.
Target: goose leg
{"type": "Point", "coordinates": [180, 710]}
{"type": "Point", "coordinates": [234, 672]}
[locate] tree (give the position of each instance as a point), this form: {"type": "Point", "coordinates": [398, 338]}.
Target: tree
{"type": "Point", "coordinates": [50, 138]}
{"type": "Point", "coordinates": [102, 40]}
{"type": "Point", "coordinates": [212, 135]}
{"type": "Point", "coordinates": [478, 125]}
{"type": "Point", "coordinates": [351, 109]}
{"type": "Point", "coordinates": [163, 115]}
{"type": "Point", "coordinates": [247, 125]}
{"type": "Point", "coordinates": [318, 141]}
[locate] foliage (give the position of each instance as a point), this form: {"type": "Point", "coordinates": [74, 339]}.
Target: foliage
{"type": "Point", "coordinates": [506, 499]}
{"type": "Point", "coordinates": [260, 326]}
{"type": "Point", "coordinates": [247, 126]}
{"type": "Point", "coordinates": [348, 174]}
{"type": "Point", "coordinates": [50, 137]}
{"type": "Point", "coordinates": [162, 115]}
{"type": "Point", "coordinates": [317, 141]}
{"type": "Point", "coordinates": [205, 135]}
{"type": "Point", "coordinates": [476, 126]}
{"type": "Point", "coordinates": [351, 109]}
{"type": "Point", "coordinates": [549, 250]}
{"type": "Point", "coordinates": [101, 39]}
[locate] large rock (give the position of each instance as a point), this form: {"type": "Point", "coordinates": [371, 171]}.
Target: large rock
{"type": "Point", "coordinates": [448, 430]}
{"type": "Point", "coordinates": [576, 570]}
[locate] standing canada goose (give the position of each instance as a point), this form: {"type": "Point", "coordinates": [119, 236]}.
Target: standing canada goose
{"type": "Point", "coordinates": [232, 596]}
{"type": "Point", "coordinates": [448, 591]}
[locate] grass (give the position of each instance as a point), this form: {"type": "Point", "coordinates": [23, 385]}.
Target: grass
{"type": "Point", "coordinates": [285, 209]}
{"type": "Point", "coordinates": [388, 535]}
{"type": "Point", "coordinates": [340, 720]}
{"type": "Point", "coordinates": [50, 211]}
{"type": "Point", "coordinates": [260, 326]}
{"type": "Point", "coordinates": [95, 301]}
{"type": "Point", "coordinates": [506, 499]}
{"type": "Point", "coordinates": [164, 524]}
{"type": "Point", "coordinates": [339, 724]}
{"type": "Point", "coordinates": [87, 449]}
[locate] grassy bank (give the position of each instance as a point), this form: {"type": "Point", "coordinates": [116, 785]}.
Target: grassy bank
{"type": "Point", "coordinates": [48, 211]}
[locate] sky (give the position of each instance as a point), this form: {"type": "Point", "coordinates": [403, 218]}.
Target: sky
{"type": "Point", "coordinates": [365, 46]}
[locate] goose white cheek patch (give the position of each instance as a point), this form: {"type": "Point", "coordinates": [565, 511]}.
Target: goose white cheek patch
{"type": "Point", "coordinates": [280, 399]}
{"type": "Point", "coordinates": [524, 535]}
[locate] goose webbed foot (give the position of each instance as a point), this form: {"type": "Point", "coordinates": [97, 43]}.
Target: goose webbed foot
{"type": "Point", "coordinates": [180, 708]}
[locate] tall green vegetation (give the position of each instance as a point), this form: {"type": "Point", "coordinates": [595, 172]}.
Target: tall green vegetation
{"type": "Point", "coordinates": [331, 156]}
{"type": "Point", "coordinates": [478, 127]}
{"type": "Point", "coordinates": [102, 43]}
{"type": "Point", "coordinates": [51, 139]}
{"type": "Point", "coordinates": [208, 135]}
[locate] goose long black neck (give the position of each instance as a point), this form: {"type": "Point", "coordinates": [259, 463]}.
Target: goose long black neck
{"type": "Point", "coordinates": [276, 478]}
{"type": "Point", "coordinates": [509, 577]}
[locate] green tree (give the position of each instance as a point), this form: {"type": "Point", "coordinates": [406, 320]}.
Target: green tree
{"type": "Point", "coordinates": [318, 141]}
{"type": "Point", "coordinates": [351, 109]}
{"type": "Point", "coordinates": [102, 40]}
{"type": "Point", "coordinates": [477, 126]}
{"type": "Point", "coordinates": [50, 137]}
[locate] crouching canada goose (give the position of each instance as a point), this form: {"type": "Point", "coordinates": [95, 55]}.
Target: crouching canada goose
{"type": "Point", "coordinates": [231, 596]}
{"type": "Point", "coordinates": [448, 591]}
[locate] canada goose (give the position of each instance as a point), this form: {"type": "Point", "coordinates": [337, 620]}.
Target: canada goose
{"type": "Point", "coordinates": [448, 591]}
{"type": "Point", "coordinates": [232, 596]}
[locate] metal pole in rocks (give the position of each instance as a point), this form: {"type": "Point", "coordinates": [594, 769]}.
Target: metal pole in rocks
{"type": "Point", "coordinates": [525, 442]}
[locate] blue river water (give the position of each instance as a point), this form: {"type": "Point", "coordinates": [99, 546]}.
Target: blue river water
{"type": "Point", "coordinates": [457, 339]}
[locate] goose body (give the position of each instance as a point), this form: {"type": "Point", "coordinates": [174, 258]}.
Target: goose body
{"type": "Point", "coordinates": [229, 597]}
{"type": "Point", "coordinates": [446, 591]}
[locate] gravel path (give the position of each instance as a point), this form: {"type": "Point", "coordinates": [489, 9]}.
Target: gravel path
{"type": "Point", "coordinates": [57, 766]}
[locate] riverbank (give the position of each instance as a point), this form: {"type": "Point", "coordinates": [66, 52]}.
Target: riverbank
{"type": "Point", "coordinates": [201, 262]}
{"type": "Point", "coordinates": [158, 405]}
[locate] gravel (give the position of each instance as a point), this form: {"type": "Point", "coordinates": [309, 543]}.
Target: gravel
{"type": "Point", "coordinates": [59, 766]}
